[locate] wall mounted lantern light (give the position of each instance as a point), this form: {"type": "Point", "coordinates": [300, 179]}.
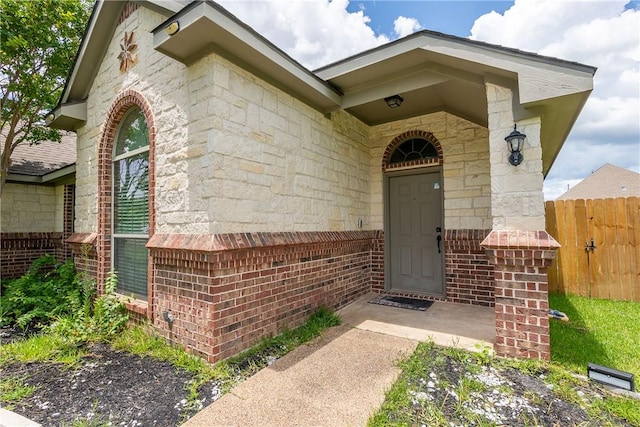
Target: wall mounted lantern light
{"type": "Point", "coordinates": [515, 141]}
{"type": "Point", "coordinates": [394, 101]}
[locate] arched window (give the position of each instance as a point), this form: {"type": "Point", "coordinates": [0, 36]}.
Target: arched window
{"type": "Point", "coordinates": [130, 191]}
{"type": "Point", "coordinates": [413, 149]}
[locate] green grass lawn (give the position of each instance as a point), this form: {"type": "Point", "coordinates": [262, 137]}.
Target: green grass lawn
{"type": "Point", "coordinates": [598, 331]}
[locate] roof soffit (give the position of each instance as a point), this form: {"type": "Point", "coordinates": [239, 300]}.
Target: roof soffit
{"type": "Point", "coordinates": [205, 28]}
{"type": "Point", "coordinates": [538, 77]}
{"type": "Point", "coordinates": [435, 72]}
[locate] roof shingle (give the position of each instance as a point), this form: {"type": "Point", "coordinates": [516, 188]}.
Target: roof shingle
{"type": "Point", "coordinates": [44, 158]}
{"type": "Point", "coordinates": [608, 181]}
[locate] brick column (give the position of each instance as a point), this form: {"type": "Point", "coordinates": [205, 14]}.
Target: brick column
{"type": "Point", "coordinates": [83, 249]}
{"type": "Point", "coordinates": [67, 219]}
{"type": "Point", "coordinates": [521, 260]}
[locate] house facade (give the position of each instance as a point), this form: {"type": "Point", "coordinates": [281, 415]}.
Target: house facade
{"type": "Point", "coordinates": [235, 191]}
{"type": "Point", "coordinates": [36, 208]}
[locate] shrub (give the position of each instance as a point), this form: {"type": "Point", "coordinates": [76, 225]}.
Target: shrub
{"type": "Point", "coordinates": [93, 318]}
{"type": "Point", "coordinates": [40, 295]}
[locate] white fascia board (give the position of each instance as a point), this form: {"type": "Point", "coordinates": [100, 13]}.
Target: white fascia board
{"type": "Point", "coordinates": [67, 116]}
{"type": "Point", "coordinates": [46, 179]}
{"type": "Point", "coordinates": [23, 179]}
{"type": "Point", "coordinates": [60, 173]}
{"type": "Point", "coordinates": [99, 5]}
{"type": "Point", "coordinates": [539, 77]}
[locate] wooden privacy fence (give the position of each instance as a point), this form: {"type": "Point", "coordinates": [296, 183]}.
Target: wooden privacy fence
{"type": "Point", "coordinates": [610, 267]}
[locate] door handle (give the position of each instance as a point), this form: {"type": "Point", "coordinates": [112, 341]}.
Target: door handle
{"type": "Point", "coordinates": [439, 238]}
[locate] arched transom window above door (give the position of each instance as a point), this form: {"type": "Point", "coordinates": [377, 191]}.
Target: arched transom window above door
{"type": "Point", "coordinates": [415, 148]}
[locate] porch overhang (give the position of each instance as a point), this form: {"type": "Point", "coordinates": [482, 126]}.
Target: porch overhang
{"type": "Point", "coordinates": [65, 175]}
{"type": "Point", "coordinates": [436, 72]}
{"type": "Point", "coordinates": [205, 27]}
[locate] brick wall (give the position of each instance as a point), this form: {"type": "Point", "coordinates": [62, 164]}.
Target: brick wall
{"type": "Point", "coordinates": [69, 195]}
{"type": "Point", "coordinates": [469, 275]}
{"type": "Point", "coordinates": [226, 292]}
{"type": "Point", "coordinates": [377, 262]}
{"type": "Point", "coordinates": [83, 249]}
{"type": "Point", "coordinates": [521, 260]}
{"type": "Point", "coordinates": [19, 250]}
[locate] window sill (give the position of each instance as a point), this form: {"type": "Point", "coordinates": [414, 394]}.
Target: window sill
{"type": "Point", "coordinates": [137, 306]}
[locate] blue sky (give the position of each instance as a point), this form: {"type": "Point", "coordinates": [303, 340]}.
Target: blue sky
{"type": "Point", "coordinates": [449, 17]}
{"type": "Point", "coordinates": [600, 33]}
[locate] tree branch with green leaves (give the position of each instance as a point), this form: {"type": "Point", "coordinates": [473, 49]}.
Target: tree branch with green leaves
{"type": "Point", "coordinates": [39, 40]}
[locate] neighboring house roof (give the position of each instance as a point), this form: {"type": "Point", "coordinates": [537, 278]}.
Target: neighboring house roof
{"type": "Point", "coordinates": [44, 163]}
{"type": "Point", "coordinates": [607, 182]}
{"type": "Point", "coordinates": [432, 71]}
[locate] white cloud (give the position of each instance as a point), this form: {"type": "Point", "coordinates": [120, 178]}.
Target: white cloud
{"type": "Point", "coordinates": [313, 32]}
{"type": "Point", "coordinates": [597, 33]}
{"type": "Point", "coordinates": [404, 26]}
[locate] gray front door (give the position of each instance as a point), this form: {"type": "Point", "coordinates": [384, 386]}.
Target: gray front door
{"type": "Point", "coordinates": [415, 223]}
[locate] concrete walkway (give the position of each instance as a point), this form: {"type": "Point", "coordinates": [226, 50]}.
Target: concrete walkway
{"type": "Point", "coordinates": [340, 378]}
{"type": "Point", "coordinates": [11, 419]}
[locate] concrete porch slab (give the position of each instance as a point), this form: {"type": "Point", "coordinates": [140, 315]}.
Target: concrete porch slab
{"type": "Point", "coordinates": [448, 324]}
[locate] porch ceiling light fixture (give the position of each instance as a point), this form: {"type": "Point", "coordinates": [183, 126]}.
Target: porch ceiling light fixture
{"type": "Point", "coordinates": [515, 141]}
{"type": "Point", "coordinates": [172, 28]}
{"type": "Point", "coordinates": [394, 101]}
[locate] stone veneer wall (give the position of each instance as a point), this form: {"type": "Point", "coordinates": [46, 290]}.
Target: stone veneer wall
{"type": "Point", "coordinates": [465, 168]}
{"type": "Point", "coordinates": [20, 249]}
{"type": "Point", "coordinates": [30, 208]}
{"type": "Point", "coordinates": [233, 153]}
{"type": "Point", "coordinates": [226, 292]}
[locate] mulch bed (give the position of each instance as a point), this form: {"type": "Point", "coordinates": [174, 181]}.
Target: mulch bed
{"type": "Point", "coordinates": [108, 387]}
